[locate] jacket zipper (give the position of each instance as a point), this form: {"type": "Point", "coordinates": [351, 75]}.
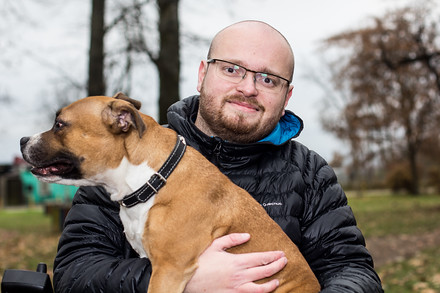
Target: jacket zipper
{"type": "Point", "coordinates": [217, 151]}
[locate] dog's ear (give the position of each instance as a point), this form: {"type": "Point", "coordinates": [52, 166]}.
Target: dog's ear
{"type": "Point", "coordinates": [122, 96]}
{"type": "Point", "coordinates": [121, 116]}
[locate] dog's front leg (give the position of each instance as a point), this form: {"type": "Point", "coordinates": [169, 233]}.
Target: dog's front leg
{"type": "Point", "coordinates": [170, 279]}
{"type": "Point", "coordinates": [172, 249]}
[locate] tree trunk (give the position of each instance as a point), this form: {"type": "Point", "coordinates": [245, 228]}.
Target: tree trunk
{"type": "Point", "coordinates": [168, 62]}
{"type": "Point", "coordinates": [96, 84]}
{"type": "Point", "coordinates": [412, 157]}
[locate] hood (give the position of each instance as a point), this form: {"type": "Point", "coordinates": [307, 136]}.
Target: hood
{"type": "Point", "coordinates": [290, 126]}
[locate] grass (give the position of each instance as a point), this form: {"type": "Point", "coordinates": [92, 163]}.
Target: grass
{"type": "Point", "coordinates": [396, 214]}
{"type": "Point", "coordinates": [24, 220]}
{"type": "Point", "coordinates": [418, 274]}
{"type": "Point", "coordinates": [26, 238]}
{"type": "Point", "coordinates": [383, 214]}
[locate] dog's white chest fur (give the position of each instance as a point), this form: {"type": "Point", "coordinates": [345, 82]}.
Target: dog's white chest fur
{"type": "Point", "coordinates": [134, 219]}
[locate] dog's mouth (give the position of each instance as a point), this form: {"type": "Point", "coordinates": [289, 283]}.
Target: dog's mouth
{"type": "Point", "coordinates": [55, 168]}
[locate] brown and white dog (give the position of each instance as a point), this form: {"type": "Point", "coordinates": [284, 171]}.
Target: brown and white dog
{"type": "Point", "coordinates": [106, 141]}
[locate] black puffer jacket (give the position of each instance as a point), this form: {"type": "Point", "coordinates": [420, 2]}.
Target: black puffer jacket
{"type": "Point", "coordinates": [295, 186]}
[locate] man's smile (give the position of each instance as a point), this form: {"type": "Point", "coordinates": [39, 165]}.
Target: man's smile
{"type": "Point", "coordinates": [245, 106]}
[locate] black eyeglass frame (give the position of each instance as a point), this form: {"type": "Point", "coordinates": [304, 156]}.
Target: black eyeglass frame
{"type": "Point", "coordinates": [213, 60]}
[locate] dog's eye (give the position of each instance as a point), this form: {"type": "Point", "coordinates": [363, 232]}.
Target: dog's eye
{"type": "Point", "coordinates": [58, 125]}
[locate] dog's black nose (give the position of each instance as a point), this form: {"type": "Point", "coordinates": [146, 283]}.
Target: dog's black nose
{"type": "Point", "coordinates": [24, 140]}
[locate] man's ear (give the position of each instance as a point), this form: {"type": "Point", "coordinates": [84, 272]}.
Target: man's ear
{"type": "Point", "coordinates": [121, 116]}
{"type": "Point", "coordinates": [288, 96]}
{"type": "Point", "coordinates": [203, 67]}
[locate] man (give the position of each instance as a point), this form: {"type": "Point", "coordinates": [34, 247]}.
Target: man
{"type": "Point", "coordinates": [239, 123]}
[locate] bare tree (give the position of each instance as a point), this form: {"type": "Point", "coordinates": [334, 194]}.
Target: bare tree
{"type": "Point", "coordinates": [139, 39]}
{"type": "Point", "coordinates": [96, 83]}
{"type": "Point", "coordinates": [391, 74]}
{"type": "Point", "coordinates": [168, 62]}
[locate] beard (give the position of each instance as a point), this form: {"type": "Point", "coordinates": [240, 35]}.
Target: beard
{"type": "Point", "coordinates": [235, 127]}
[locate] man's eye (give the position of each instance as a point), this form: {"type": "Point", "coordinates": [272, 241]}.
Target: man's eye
{"type": "Point", "coordinates": [267, 80]}
{"type": "Point", "coordinates": [230, 70]}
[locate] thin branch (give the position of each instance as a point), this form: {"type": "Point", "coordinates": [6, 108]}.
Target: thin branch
{"type": "Point", "coordinates": [124, 12]}
{"type": "Point", "coordinates": [60, 71]}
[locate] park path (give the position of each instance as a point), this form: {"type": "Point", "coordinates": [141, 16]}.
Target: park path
{"type": "Point", "coordinates": [388, 249]}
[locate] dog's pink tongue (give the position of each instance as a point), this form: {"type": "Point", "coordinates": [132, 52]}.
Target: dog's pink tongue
{"type": "Point", "coordinates": [54, 169]}
{"type": "Point", "coordinates": [42, 171]}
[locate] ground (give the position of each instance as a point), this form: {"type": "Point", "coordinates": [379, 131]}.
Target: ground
{"type": "Point", "coordinates": [387, 249]}
{"type": "Point", "coordinates": [402, 261]}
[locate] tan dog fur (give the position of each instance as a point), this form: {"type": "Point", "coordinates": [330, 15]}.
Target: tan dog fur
{"type": "Point", "coordinates": [197, 204]}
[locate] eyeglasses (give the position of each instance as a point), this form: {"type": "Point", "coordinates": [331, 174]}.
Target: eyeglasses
{"type": "Point", "coordinates": [235, 73]}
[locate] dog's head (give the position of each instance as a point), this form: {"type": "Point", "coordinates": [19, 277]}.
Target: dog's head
{"type": "Point", "coordinates": [87, 136]}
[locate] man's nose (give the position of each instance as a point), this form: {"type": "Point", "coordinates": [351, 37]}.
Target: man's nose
{"type": "Point", "coordinates": [247, 85]}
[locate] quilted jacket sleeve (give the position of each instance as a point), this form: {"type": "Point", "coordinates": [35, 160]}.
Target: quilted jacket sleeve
{"type": "Point", "coordinates": [332, 243]}
{"type": "Point", "coordinates": [93, 255]}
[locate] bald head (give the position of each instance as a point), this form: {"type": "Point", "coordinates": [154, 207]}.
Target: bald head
{"type": "Point", "coordinates": [258, 40]}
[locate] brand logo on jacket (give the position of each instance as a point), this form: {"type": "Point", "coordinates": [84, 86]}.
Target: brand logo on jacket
{"type": "Point", "coordinates": [268, 204]}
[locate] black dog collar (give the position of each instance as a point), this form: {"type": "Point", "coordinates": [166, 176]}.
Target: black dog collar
{"type": "Point", "coordinates": [158, 179]}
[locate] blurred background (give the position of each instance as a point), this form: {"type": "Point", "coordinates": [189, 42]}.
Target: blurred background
{"type": "Point", "coordinates": [366, 84]}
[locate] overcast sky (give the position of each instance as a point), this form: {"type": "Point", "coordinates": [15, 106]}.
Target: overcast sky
{"type": "Point", "coordinates": [58, 36]}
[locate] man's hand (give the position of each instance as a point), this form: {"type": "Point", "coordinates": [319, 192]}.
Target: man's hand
{"type": "Point", "coordinates": [220, 271]}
